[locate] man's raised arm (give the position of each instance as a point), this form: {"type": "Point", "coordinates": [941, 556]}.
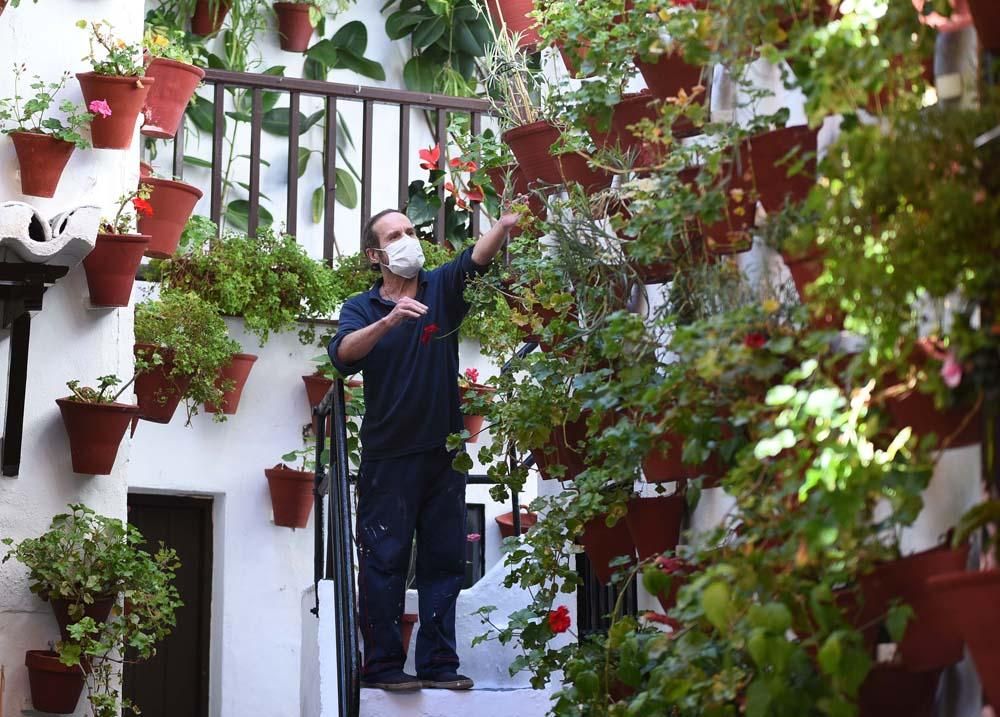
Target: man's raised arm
{"type": "Point", "coordinates": [491, 241]}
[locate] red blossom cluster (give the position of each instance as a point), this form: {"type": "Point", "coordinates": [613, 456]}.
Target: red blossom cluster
{"type": "Point", "coordinates": [471, 375]}
{"type": "Point", "coordinates": [473, 193]}
{"type": "Point", "coordinates": [559, 619]}
{"type": "Point", "coordinates": [428, 333]}
{"type": "Point", "coordinates": [142, 206]}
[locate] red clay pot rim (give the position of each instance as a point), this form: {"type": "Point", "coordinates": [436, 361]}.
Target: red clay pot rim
{"type": "Point", "coordinates": [28, 133]}
{"type": "Point", "coordinates": [48, 661]}
{"type": "Point", "coordinates": [961, 579]}
{"type": "Point", "coordinates": [125, 238]}
{"type": "Point", "coordinates": [528, 129]}
{"type": "Point", "coordinates": [283, 472]}
{"type": "Point", "coordinates": [245, 357]}
{"type": "Point", "coordinates": [292, 6]}
{"type": "Point", "coordinates": [114, 406]}
{"type": "Point", "coordinates": [173, 184]}
{"type": "Point", "coordinates": [117, 79]}
{"type": "Point", "coordinates": [176, 64]}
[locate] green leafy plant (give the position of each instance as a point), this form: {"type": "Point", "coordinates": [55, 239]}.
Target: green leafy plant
{"type": "Point", "coordinates": [101, 394]}
{"type": "Point", "coordinates": [28, 114]}
{"type": "Point", "coordinates": [170, 43]}
{"type": "Point", "coordinates": [344, 50]}
{"type": "Point", "coordinates": [318, 9]}
{"type": "Point", "coordinates": [117, 58]}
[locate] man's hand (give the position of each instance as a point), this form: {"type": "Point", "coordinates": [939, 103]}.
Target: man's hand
{"type": "Point", "coordinates": [507, 221]}
{"type": "Point", "coordinates": [406, 309]}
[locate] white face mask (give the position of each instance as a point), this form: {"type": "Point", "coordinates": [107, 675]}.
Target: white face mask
{"type": "Point", "coordinates": [406, 257]}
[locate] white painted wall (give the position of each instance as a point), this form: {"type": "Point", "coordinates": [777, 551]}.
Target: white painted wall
{"type": "Point", "coordinates": [68, 340]}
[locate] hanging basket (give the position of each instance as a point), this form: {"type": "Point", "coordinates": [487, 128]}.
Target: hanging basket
{"type": "Point", "coordinates": [95, 431]}
{"type": "Point", "coordinates": [175, 84]}
{"type": "Point", "coordinates": [531, 145]}
{"type": "Point", "coordinates": [291, 495]}
{"type": "Point", "coordinates": [505, 521]}
{"type": "Point", "coordinates": [655, 523]}
{"type": "Point", "coordinates": [42, 159]}
{"type": "Point", "coordinates": [237, 371]}
{"type": "Point", "coordinates": [157, 392]}
{"type": "Point", "coordinates": [173, 203]}
{"type": "Point", "coordinates": [126, 96]}
{"type": "Point", "coordinates": [604, 545]}
{"type": "Point", "coordinates": [208, 19]}
{"type": "Point", "coordinates": [111, 267]}
{"type": "Point", "coordinates": [294, 27]}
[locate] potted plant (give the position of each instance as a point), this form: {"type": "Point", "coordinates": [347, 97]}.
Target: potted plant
{"type": "Point", "coordinates": [171, 203]}
{"type": "Point", "coordinates": [207, 16]}
{"type": "Point", "coordinates": [43, 144]}
{"type": "Point", "coordinates": [95, 423]}
{"type": "Point", "coordinates": [470, 390]}
{"type": "Point", "coordinates": [654, 522]}
{"type": "Point", "coordinates": [175, 81]}
{"type": "Point", "coordinates": [515, 18]}
{"type": "Point", "coordinates": [319, 382]}
{"type": "Point", "coordinates": [297, 18]}
{"type": "Point", "coordinates": [292, 489]}
{"type": "Point", "coordinates": [233, 374]}
{"type": "Point", "coordinates": [115, 91]}
{"type": "Point", "coordinates": [505, 521]}
{"type": "Point", "coordinates": [112, 264]}
{"type": "Point", "coordinates": [55, 687]}
{"type": "Point", "coordinates": [181, 345]}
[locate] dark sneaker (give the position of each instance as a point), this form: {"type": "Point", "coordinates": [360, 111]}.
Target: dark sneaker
{"type": "Point", "coordinates": [395, 681]}
{"type": "Point", "coordinates": [447, 681]}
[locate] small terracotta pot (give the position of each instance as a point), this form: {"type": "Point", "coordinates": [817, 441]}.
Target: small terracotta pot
{"type": "Point", "coordinates": [530, 144]}
{"type": "Point", "coordinates": [291, 495]}
{"type": "Point", "coordinates": [55, 688]}
{"type": "Point", "coordinates": [564, 441]}
{"type": "Point", "coordinates": [505, 522]}
{"type": "Point", "coordinates": [157, 392]}
{"type": "Point", "coordinates": [294, 27]}
{"type": "Point", "coordinates": [172, 203]}
{"type": "Point", "coordinates": [655, 523]}
{"type": "Point", "coordinates": [603, 545]}
{"type": "Point", "coordinates": [175, 84]}
{"type": "Point", "coordinates": [894, 690]}
{"type": "Point", "coordinates": [238, 371]}
{"type": "Point", "coordinates": [316, 387]}
{"type": "Point", "coordinates": [205, 21]}
{"type": "Point", "coordinates": [976, 596]}
{"type": "Point", "coordinates": [42, 159]}
{"type": "Point", "coordinates": [126, 96]}
{"type": "Point", "coordinates": [474, 424]}
{"type": "Point", "coordinates": [95, 431]}
{"type": "Point", "coordinates": [409, 620]}
{"type": "Point", "coordinates": [986, 17]}
{"type": "Point", "coordinates": [515, 14]}
{"type": "Point", "coordinates": [111, 267]}
{"type": "Point", "coordinates": [98, 611]}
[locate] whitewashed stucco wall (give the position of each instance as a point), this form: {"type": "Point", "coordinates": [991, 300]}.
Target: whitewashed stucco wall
{"type": "Point", "coordinates": [68, 339]}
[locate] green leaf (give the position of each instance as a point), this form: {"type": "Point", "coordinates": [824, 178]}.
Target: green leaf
{"type": "Point", "coordinates": [352, 37]}
{"type": "Point", "coordinates": [758, 699]}
{"type": "Point", "coordinates": [466, 41]}
{"type": "Point", "coordinates": [462, 462]}
{"type": "Point", "coordinates": [325, 53]}
{"type": "Point", "coordinates": [780, 395]}
{"type": "Point", "coordinates": [304, 155]}
{"type": "Point", "coordinates": [197, 161]}
{"type": "Point", "coordinates": [397, 25]}
{"type": "Point", "coordinates": [347, 190]}
{"type": "Point", "coordinates": [261, 160]}
{"type": "Point", "coordinates": [246, 186]}
{"type": "Point", "coordinates": [419, 74]}
{"type": "Point", "coordinates": [428, 32]}
{"type": "Point", "coordinates": [315, 70]}
{"type": "Point", "coordinates": [201, 112]}
{"type": "Point", "coordinates": [276, 121]}
{"type": "Point", "coordinates": [717, 605]}
{"type": "Point", "coordinates": [829, 655]}
{"type": "Point", "coordinates": [438, 7]}
{"type": "Point", "coordinates": [318, 204]}
{"type": "Point", "coordinates": [896, 620]}
{"type": "Point", "coordinates": [362, 65]}
{"type": "Point", "coordinates": [238, 215]}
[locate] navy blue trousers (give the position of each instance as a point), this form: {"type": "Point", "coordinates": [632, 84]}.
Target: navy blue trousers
{"type": "Point", "coordinates": [397, 496]}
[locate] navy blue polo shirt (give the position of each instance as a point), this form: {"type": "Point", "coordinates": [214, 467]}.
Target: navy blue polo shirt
{"type": "Point", "coordinates": [411, 375]}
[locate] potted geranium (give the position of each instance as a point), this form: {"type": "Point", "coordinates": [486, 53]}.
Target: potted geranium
{"type": "Point", "coordinates": [95, 423]}
{"type": "Point", "coordinates": [176, 80]}
{"type": "Point", "coordinates": [111, 266]}
{"type": "Point", "coordinates": [43, 143]}
{"type": "Point", "coordinates": [171, 204]}
{"type": "Point", "coordinates": [469, 391]}
{"type": "Point", "coordinates": [115, 91]}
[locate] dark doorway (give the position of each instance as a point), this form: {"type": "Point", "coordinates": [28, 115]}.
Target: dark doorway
{"type": "Point", "coordinates": [175, 681]}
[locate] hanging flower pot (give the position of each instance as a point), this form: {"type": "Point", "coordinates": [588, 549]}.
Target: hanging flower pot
{"type": "Point", "coordinates": [631, 110]}
{"type": "Point", "coordinates": [531, 145]}
{"type": "Point", "coordinates": [563, 450]}
{"type": "Point", "coordinates": [473, 424]}
{"type": "Point", "coordinates": [515, 14]}
{"type": "Point", "coordinates": [98, 611]}
{"type": "Point", "coordinates": [409, 620]}
{"type": "Point", "coordinates": [605, 544]}
{"type": "Point", "coordinates": [157, 392]}
{"type": "Point", "coordinates": [237, 371]}
{"type": "Point", "coordinates": [294, 27]}
{"type": "Point", "coordinates": [42, 159]}
{"type": "Point", "coordinates": [655, 523]}
{"type": "Point", "coordinates": [209, 16]}
{"type": "Point", "coordinates": [317, 386]}
{"type": "Point", "coordinates": [894, 690]}
{"type": "Point", "coordinates": [116, 102]}
{"type": "Point", "coordinates": [55, 688]}
{"type": "Point", "coordinates": [95, 430]}
{"type": "Point", "coordinates": [172, 203]}
{"type": "Point", "coordinates": [175, 84]}
{"type": "Point", "coordinates": [291, 495]}
{"type": "Point", "coordinates": [505, 521]}
{"type": "Point", "coordinates": [111, 267]}
{"type": "Point", "coordinates": [986, 17]}
{"type": "Point", "coordinates": [976, 596]}
{"type": "Point", "coordinates": [666, 78]}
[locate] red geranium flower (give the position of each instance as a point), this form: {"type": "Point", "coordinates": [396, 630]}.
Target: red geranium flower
{"type": "Point", "coordinates": [754, 340]}
{"type": "Point", "coordinates": [142, 206]}
{"type": "Point", "coordinates": [428, 333]}
{"type": "Point", "coordinates": [472, 375]}
{"type": "Point", "coordinates": [559, 619]}
{"type": "Point", "coordinates": [430, 157]}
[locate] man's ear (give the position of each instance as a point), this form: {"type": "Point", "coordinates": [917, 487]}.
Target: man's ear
{"type": "Point", "coordinates": [373, 258]}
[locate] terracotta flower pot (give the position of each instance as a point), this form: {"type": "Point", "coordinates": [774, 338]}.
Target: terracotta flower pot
{"type": "Point", "coordinates": [95, 430]}
{"type": "Point", "coordinates": [208, 19]}
{"type": "Point", "coordinates": [976, 596]}
{"type": "Point", "coordinates": [291, 495]}
{"type": "Point", "coordinates": [409, 620]}
{"type": "Point", "coordinates": [55, 688]}
{"type": "Point", "coordinates": [157, 392]}
{"type": "Point", "coordinates": [515, 14]}
{"type": "Point", "coordinates": [894, 690]}
{"type": "Point", "coordinates": [474, 424]}
{"type": "Point", "coordinates": [42, 159]}
{"type": "Point", "coordinates": [98, 611]}
{"type": "Point", "coordinates": [666, 78]}
{"type": "Point", "coordinates": [631, 110]}
{"type": "Point", "coordinates": [316, 387]}
{"type": "Point", "coordinates": [175, 84]}
{"type": "Point", "coordinates": [603, 545]}
{"type": "Point", "coordinates": [986, 17]}
{"type": "Point", "coordinates": [655, 523]}
{"type": "Point", "coordinates": [3, 5]}
{"type": "Point", "coordinates": [530, 144]}
{"type": "Point", "coordinates": [505, 522]}
{"type": "Point", "coordinates": [294, 27]}
{"type": "Point", "coordinates": [126, 97]}
{"type": "Point", "coordinates": [145, 169]}
{"type": "Point", "coordinates": [237, 371]}
{"type": "Point", "coordinates": [172, 203]}
{"type": "Point", "coordinates": [111, 267]}
{"type": "Point", "coordinates": [563, 441]}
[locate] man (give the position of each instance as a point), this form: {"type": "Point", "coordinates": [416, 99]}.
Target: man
{"type": "Point", "coordinates": [403, 335]}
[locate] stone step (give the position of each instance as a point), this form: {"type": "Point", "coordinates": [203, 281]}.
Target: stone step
{"type": "Point", "coordinates": [524, 702]}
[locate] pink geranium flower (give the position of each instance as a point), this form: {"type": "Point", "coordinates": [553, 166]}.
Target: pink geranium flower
{"type": "Point", "coordinates": [472, 375]}
{"type": "Point", "coordinates": [100, 107]}
{"type": "Point", "coordinates": [473, 537]}
{"type": "Point", "coordinates": [951, 371]}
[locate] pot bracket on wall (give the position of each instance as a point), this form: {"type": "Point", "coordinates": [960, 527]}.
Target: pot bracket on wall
{"type": "Point", "coordinates": [34, 254]}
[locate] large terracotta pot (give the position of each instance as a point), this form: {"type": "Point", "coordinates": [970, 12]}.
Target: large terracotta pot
{"type": "Point", "coordinates": [126, 96]}
{"type": "Point", "coordinates": [515, 14]}
{"type": "Point", "coordinates": [237, 371]}
{"type": "Point", "coordinates": [95, 430]}
{"type": "Point", "coordinates": [409, 620]}
{"type": "Point", "coordinates": [986, 17]}
{"type": "Point", "coordinates": [655, 523]}
{"type": "Point", "coordinates": [111, 267]}
{"type": "Point", "coordinates": [172, 203]}
{"type": "Point", "coordinates": [98, 611]}
{"type": "Point", "coordinates": [175, 84]}
{"type": "Point", "coordinates": [474, 424]}
{"type": "Point", "coordinates": [530, 144]}
{"type": "Point", "coordinates": [975, 597]}
{"type": "Point", "coordinates": [291, 495]}
{"type": "Point", "coordinates": [894, 690]}
{"type": "Point", "coordinates": [157, 392]}
{"type": "Point", "coordinates": [55, 688]}
{"type": "Point", "coordinates": [666, 77]}
{"type": "Point", "coordinates": [563, 445]}
{"type": "Point", "coordinates": [42, 159]}
{"type": "Point", "coordinates": [294, 27]}
{"type": "Point", "coordinates": [206, 19]}
{"type": "Point", "coordinates": [603, 545]}
{"type": "Point", "coordinates": [505, 522]}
